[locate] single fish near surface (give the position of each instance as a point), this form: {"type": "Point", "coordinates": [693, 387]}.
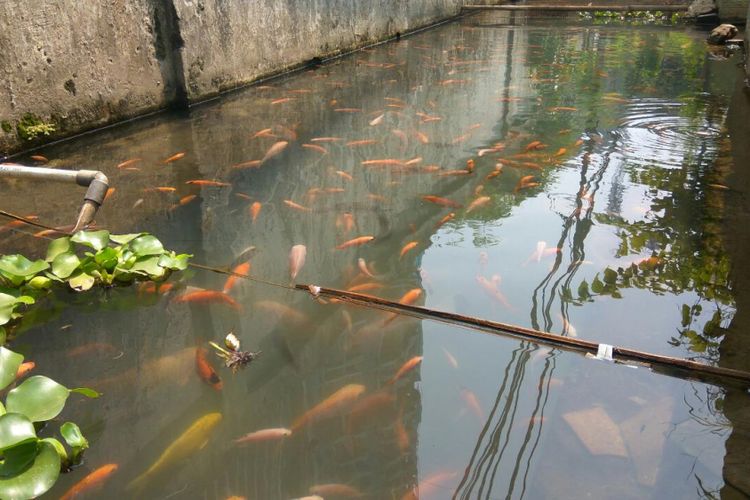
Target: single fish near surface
{"type": "Point", "coordinates": [174, 157]}
{"type": "Point", "coordinates": [482, 200]}
{"type": "Point", "coordinates": [491, 288]}
{"type": "Point", "coordinates": [266, 132]}
{"type": "Point", "coordinates": [405, 368]}
{"type": "Point", "coordinates": [192, 440]}
{"type": "Point", "coordinates": [361, 240]}
{"type": "Point", "coordinates": [274, 150]}
{"type": "Point", "coordinates": [386, 162]}
{"type": "Point", "coordinates": [246, 164]}
{"type": "Point", "coordinates": [406, 299]}
{"type": "Point", "coordinates": [128, 163]}
{"type": "Point", "coordinates": [263, 435]}
{"type": "Point", "coordinates": [296, 260]}
{"type": "Point", "coordinates": [109, 193]}
{"type": "Point", "coordinates": [445, 219]}
{"type": "Point", "coordinates": [445, 202]}
{"type": "Point", "coordinates": [91, 482]}
{"type": "Point", "coordinates": [207, 183]}
{"type": "Point", "coordinates": [255, 210]}
{"type": "Point", "coordinates": [362, 142]}
{"type": "Point", "coordinates": [473, 403]}
{"type": "Point", "coordinates": [207, 297]}
{"type": "Point", "coordinates": [24, 368]}
{"type": "Point", "coordinates": [338, 400]}
{"type": "Point", "coordinates": [335, 490]}
{"type": "Point", "coordinates": [205, 371]}
{"type": "Point", "coordinates": [241, 269]}
{"type": "Point", "coordinates": [297, 206]}
{"type": "Point", "coordinates": [409, 246]}
{"type": "Point", "coordinates": [560, 152]}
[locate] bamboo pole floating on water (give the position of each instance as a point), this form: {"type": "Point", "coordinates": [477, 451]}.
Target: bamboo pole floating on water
{"type": "Point", "coordinates": [665, 364]}
{"type": "Point", "coordinates": [700, 370]}
{"type": "Point", "coordinates": [580, 8]}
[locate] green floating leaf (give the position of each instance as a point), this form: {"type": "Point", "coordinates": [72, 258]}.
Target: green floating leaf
{"type": "Point", "coordinates": [2, 409]}
{"type": "Point", "coordinates": [15, 430]}
{"type": "Point", "coordinates": [19, 265]}
{"type": "Point", "coordinates": [174, 262]}
{"type": "Point", "coordinates": [124, 239]}
{"type": "Point", "coordinates": [59, 448]}
{"type": "Point", "coordinates": [35, 480]}
{"type": "Point", "coordinates": [64, 264]}
{"type": "Point", "coordinates": [93, 239]}
{"type": "Point", "coordinates": [9, 363]}
{"type": "Point", "coordinates": [85, 391]}
{"type": "Point", "coordinates": [146, 245]}
{"type": "Point", "coordinates": [39, 398]}
{"type": "Point", "coordinates": [107, 258]}
{"type": "Point", "coordinates": [148, 265]}
{"type": "Point", "coordinates": [18, 458]}
{"type": "Point", "coordinates": [73, 435]}
{"type": "Point", "coordinates": [58, 246]}
{"type": "Point", "coordinates": [81, 282]}
{"type": "Point", "coordinates": [40, 283]}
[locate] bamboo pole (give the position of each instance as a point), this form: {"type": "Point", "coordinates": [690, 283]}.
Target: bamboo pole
{"type": "Point", "coordinates": [665, 364]}
{"type": "Point", "coordinates": [578, 8]}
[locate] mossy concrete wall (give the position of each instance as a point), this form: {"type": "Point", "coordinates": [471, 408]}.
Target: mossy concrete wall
{"type": "Point", "coordinates": [732, 11]}
{"type": "Point", "coordinates": [68, 66]}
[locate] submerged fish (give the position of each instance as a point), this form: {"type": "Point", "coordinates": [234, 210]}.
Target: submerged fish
{"type": "Point", "coordinates": [191, 441]}
{"type": "Point", "coordinates": [445, 202]}
{"type": "Point", "coordinates": [174, 157]}
{"type": "Point", "coordinates": [242, 269]}
{"type": "Point", "coordinates": [482, 200]}
{"type": "Point", "coordinates": [264, 435]}
{"type": "Point", "coordinates": [405, 368]}
{"type": "Point", "coordinates": [361, 240]}
{"type": "Point", "coordinates": [339, 399]}
{"type": "Point", "coordinates": [207, 297]}
{"type": "Point", "coordinates": [296, 260]}
{"type": "Point", "coordinates": [255, 210]}
{"type": "Point", "coordinates": [92, 481]}
{"type": "Point", "coordinates": [205, 371]}
{"type": "Point", "coordinates": [296, 206]}
{"type": "Point", "coordinates": [409, 246]}
{"type": "Point", "coordinates": [335, 490]}
{"type": "Point", "coordinates": [274, 150]}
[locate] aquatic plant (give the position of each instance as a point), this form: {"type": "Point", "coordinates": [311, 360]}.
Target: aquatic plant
{"type": "Point", "coordinates": [30, 464]}
{"type": "Point", "coordinates": [112, 260]}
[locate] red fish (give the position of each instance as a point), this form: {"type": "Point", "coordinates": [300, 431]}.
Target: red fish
{"type": "Point", "coordinates": [128, 163]}
{"type": "Point", "coordinates": [242, 269]}
{"type": "Point", "coordinates": [205, 370]}
{"type": "Point", "coordinates": [207, 297]}
{"type": "Point", "coordinates": [422, 137]}
{"type": "Point", "coordinates": [24, 369]}
{"type": "Point", "coordinates": [255, 210]}
{"type": "Point", "coordinates": [339, 399]}
{"type": "Point", "coordinates": [344, 175]}
{"type": "Point", "coordinates": [407, 247]}
{"type": "Point", "coordinates": [361, 240]}
{"type": "Point", "coordinates": [202, 182]}
{"type": "Point", "coordinates": [174, 157]}
{"type": "Point", "coordinates": [296, 260]}
{"type": "Point", "coordinates": [445, 219]}
{"type": "Point", "coordinates": [91, 482]}
{"type": "Point", "coordinates": [363, 142]}
{"type": "Point", "coordinates": [445, 202]}
{"type": "Point", "coordinates": [482, 200]}
{"type": "Point", "coordinates": [407, 299]}
{"type": "Point", "coordinates": [39, 158]}
{"type": "Point", "coordinates": [264, 435]}
{"type": "Point", "coordinates": [405, 368]}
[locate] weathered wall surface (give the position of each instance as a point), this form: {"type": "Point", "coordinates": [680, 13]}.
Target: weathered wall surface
{"type": "Point", "coordinates": [79, 65]}
{"type": "Point", "coordinates": [76, 65]}
{"type": "Point", "coordinates": [732, 11]}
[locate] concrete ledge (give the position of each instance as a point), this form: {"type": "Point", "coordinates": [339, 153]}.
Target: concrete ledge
{"type": "Point", "coordinates": [580, 8]}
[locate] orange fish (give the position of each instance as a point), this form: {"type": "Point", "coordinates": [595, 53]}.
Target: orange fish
{"type": "Point", "coordinates": [529, 164]}
{"type": "Point", "coordinates": [560, 152]}
{"type": "Point", "coordinates": [151, 287]}
{"type": "Point", "coordinates": [347, 110]}
{"type": "Point", "coordinates": [296, 260]}
{"type": "Point", "coordinates": [110, 192]}
{"type": "Point", "coordinates": [405, 368]}
{"type": "Point", "coordinates": [93, 481]}
{"type": "Point", "coordinates": [17, 223]}
{"type": "Point", "coordinates": [201, 182]}
{"type": "Point", "coordinates": [297, 206]}
{"type": "Point", "coordinates": [382, 163]}
{"type": "Point", "coordinates": [402, 435]}
{"type": "Point", "coordinates": [578, 142]}
{"type": "Point", "coordinates": [473, 403]}
{"type": "Point", "coordinates": [325, 139]}
{"type": "Point", "coordinates": [186, 199]}
{"type": "Point", "coordinates": [450, 173]}
{"type": "Point", "coordinates": [491, 287]}
{"type": "Point", "coordinates": [282, 100]}
{"type": "Point", "coordinates": [562, 108]}
{"type": "Point", "coordinates": [451, 359]}
{"type": "Point", "coordinates": [24, 369]}
{"type": "Point", "coordinates": [482, 200]}
{"type": "Point", "coordinates": [413, 161]}
{"type": "Point", "coordinates": [128, 163]}
{"type": "Point", "coordinates": [363, 267]}
{"type": "Point", "coordinates": [345, 221]}
{"type": "Point", "coordinates": [407, 247]}
{"type": "Point", "coordinates": [422, 137]}
{"type": "Point", "coordinates": [206, 371]}
{"type": "Point", "coordinates": [266, 132]}
{"type": "Point", "coordinates": [344, 175]}
{"type": "Point", "coordinates": [161, 189]}
{"type": "Point", "coordinates": [445, 219]}
{"type": "Point", "coordinates": [264, 435]}
{"type": "Point", "coordinates": [315, 147]}
{"type": "Point", "coordinates": [206, 297]}
{"type": "Point", "coordinates": [247, 164]}
{"type": "Point", "coordinates": [338, 400]}
{"type": "Point", "coordinates": [365, 407]}
{"type": "Point", "coordinates": [428, 486]}
{"type": "Point", "coordinates": [407, 299]}
{"type": "Point", "coordinates": [363, 142]}
{"type": "Point", "coordinates": [255, 210]}
{"type": "Point", "coordinates": [243, 270]}
{"type": "Point", "coordinates": [361, 240]}
{"type": "Point", "coordinates": [174, 157]}
{"type": "Point", "coordinates": [364, 287]}
{"type": "Point", "coordinates": [39, 158]}
{"type": "Point", "coordinates": [534, 145]}
{"type": "Point", "coordinates": [441, 201]}
{"type": "Point", "coordinates": [274, 150]}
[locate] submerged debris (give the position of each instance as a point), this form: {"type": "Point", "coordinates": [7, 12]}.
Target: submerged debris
{"type": "Point", "coordinates": [233, 357]}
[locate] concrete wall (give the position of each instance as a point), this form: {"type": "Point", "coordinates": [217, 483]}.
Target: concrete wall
{"type": "Point", "coordinates": [732, 11]}
{"type": "Point", "coordinates": [80, 65]}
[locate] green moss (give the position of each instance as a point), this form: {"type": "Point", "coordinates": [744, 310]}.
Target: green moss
{"type": "Point", "coordinates": [31, 126]}
{"type": "Point", "coordinates": [6, 126]}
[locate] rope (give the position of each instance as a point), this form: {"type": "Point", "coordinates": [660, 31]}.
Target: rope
{"type": "Point", "coordinates": [681, 368]}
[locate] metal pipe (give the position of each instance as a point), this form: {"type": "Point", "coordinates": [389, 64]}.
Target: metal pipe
{"type": "Point", "coordinates": [96, 182]}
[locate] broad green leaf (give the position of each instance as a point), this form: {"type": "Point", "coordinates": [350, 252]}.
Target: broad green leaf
{"type": "Point", "coordinates": [123, 239]}
{"type": "Point", "coordinates": [174, 262]}
{"type": "Point", "coordinates": [73, 435]}
{"type": "Point", "coordinates": [2, 337]}
{"type": "Point", "coordinates": [39, 398]}
{"type": "Point", "coordinates": [21, 266]}
{"type": "Point", "coordinates": [15, 429]}
{"type": "Point", "coordinates": [40, 283]}
{"type": "Point", "coordinates": [107, 258]}
{"type": "Point", "coordinates": [146, 245]}
{"type": "Point", "coordinates": [35, 480]}
{"type": "Point", "coordinates": [610, 276]}
{"type": "Point", "coordinates": [148, 265]}
{"type": "Point", "coordinates": [81, 282]}
{"type": "Point", "coordinates": [85, 391]}
{"type": "Point", "coordinates": [64, 264]}
{"type": "Point", "coordinates": [9, 363]}
{"type": "Point", "coordinates": [58, 246]}
{"type": "Point", "coordinates": [2, 409]}
{"type": "Point", "coordinates": [7, 304]}
{"type": "Point", "coordinates": [59, 448]}
{"type": "Point", "coordinates": [93, 239]}
{"type": "Point", "coordinates": [18, 458]}
{"type": "Point", "coordinates": [25, 299]}
{"type": "Point", "coordinates": [596, 285]}
{"type": "Point", "coordinates": [583, 290]}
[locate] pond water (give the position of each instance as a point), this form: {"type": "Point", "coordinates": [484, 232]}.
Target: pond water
{"type": "Point", "coordinates": [619, 237]}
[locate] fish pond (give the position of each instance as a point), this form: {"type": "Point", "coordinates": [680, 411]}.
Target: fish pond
{"type": "Point", "coordinates": [549, 172]}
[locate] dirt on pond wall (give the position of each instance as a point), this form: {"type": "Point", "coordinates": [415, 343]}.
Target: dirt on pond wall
{"type": "Point", "coordinates": [71, 66]}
